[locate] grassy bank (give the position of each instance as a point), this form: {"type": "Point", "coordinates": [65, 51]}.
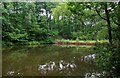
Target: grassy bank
{"type": "Point", "coordinates": [58, 41]}
{"type": "Point", "coordinates": [82, 41]}
{"type": "Point", "coordinates": [79, 42]}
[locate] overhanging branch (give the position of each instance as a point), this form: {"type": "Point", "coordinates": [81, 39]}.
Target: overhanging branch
{"type": "Point", "coordinates": [99, 14]}
{"type": "Point", "coordinates": [115, 22]}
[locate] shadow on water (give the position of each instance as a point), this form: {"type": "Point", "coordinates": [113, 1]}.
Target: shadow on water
{"type": "Point", "coordinates": [49, 60]}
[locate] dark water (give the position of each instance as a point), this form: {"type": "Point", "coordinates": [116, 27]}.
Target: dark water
{"type": "Point", "coordinates": [48, 60]}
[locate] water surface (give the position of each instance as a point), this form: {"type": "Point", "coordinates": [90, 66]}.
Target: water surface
{"type": "Point", "coordinates": [48, 60]}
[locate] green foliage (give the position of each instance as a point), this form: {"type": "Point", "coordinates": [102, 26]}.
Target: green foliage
{"type": "Point", "coordinates": [25, 22]}
{"type": "Point", "coordinates": [102, 34]}
{"type": "Point", "coordinates": [41, 22]}
{"type": "Point", "coordinates": [21, 24]}
{"type": "Point", "coordinates": [108, 59]}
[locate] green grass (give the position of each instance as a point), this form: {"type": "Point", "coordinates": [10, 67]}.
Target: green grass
{"type": "Point", "coordinates": [84, 41]}
{"type": "Point", "coordinates": [33, 43]}
{"type": "Point", "coordinates": [81, 46]}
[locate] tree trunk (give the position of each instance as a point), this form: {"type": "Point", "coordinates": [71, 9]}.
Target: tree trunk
{"type": "Point", "coordinates": [108, 24]}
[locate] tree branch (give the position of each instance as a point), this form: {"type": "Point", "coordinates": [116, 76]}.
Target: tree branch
{"type": "Point", "coordinates": [99, 14]}
{"type": "Point", "coordinates": [115, 22]}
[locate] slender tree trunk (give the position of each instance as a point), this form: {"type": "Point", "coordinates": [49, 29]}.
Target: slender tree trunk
{"type": "Point", "coordinates": [74, 21]}
{"type": "Point", "coordinates": [108, 24]}
{"type": "Point", "coordinates": [50, 20]}
{"type": "Point", "coordinates": [118, 29]}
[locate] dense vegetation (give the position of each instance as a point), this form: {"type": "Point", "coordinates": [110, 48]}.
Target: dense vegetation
{"type": "Point", "coordinates": [41, 22]}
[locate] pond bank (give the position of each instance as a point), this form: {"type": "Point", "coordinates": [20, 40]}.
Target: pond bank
{"type": "Point", "coordinates": [79, 42]}
{"type": "Point", "coordinates": [60, 42]}
{"type": "Point", "coordinates": [75, 43]}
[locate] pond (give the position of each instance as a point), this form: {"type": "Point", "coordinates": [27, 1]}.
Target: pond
{"type": "Point", "coordinates": [48, 60]}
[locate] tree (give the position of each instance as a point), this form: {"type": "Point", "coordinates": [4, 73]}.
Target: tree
{"type": "Point", "coordinates": [107, 20]}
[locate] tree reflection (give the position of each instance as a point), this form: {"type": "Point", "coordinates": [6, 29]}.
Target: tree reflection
{"type": "Point", "coordinates": [61, 66]}
{"type": "Point", "coordinates": [13, 73]}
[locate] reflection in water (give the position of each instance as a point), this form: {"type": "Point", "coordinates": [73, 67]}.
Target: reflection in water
{"type": "Point", "coordinates": [13, 73]}
{"type": "Point", "coordinates": [62, 65]}
{"type": "Point", "coordinates": [10, 73]}
{"type": "Point", "coordinates": [95, 75]}
{"type": "Point", "coordinates": [48, 60]}
{"type": "Point", "coordinates": [48, 67]}
{"type": "Point", "coordinates": [51, 66]}
{"type": "Point", "coordinates": [88, 57]}
{"type": "Point", "coordinates": [71, 65]}
{"type": "Point", "coordinates": [92, 75]}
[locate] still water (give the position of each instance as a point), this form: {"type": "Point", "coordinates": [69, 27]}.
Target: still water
{"type": "Point", "coordinates": [48, 60]}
